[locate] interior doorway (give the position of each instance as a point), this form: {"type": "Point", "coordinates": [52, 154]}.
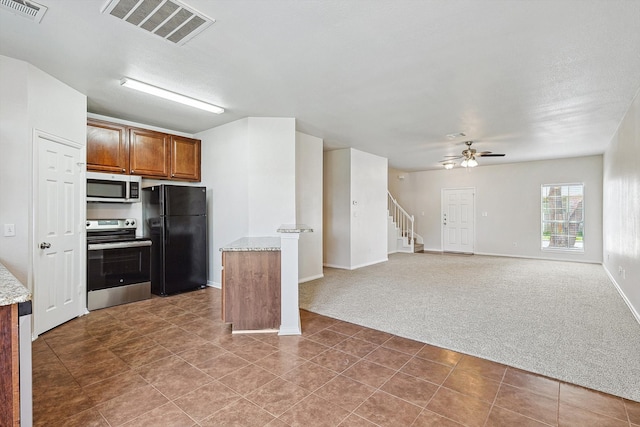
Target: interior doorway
{"type": "Point", "coordinates": [58, 262]}
{"type": "Point", "coordinates": [458, 219]}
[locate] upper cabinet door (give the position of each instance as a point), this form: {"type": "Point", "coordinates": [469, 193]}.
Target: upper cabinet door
{"type": "Point", "coordinates": [185, 158]}
{"type": "Point", "coordinates": [149, 153]}
{"type": "Point", "coordinates": [107, 147]}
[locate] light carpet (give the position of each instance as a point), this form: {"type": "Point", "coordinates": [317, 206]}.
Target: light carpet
{"type": "Point", "coordinates": [560, 319]}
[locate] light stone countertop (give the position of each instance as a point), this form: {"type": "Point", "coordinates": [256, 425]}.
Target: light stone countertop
{"type": "Point", "coordinates": [253, 244]}
{"type": "Point", "coordinates": [11, 290]}
{"type": "Point", "coordinates": [295, 228]}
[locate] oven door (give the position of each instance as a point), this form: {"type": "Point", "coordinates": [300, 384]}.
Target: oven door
{"type": "Point", "coordinates": [111, 265]}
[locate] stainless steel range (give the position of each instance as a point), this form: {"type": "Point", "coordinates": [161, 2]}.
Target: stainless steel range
{"type": "Point", "coordinates": [118, 263]}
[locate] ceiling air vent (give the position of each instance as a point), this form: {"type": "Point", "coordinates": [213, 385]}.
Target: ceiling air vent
{"type": "Point", "coordinates": [169, 19]}
{"type": "Point", "coordinates": [26, 9]}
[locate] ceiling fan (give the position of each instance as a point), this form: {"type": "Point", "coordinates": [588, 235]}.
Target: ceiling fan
{"type": "Point", "coordinates": [469, 157]}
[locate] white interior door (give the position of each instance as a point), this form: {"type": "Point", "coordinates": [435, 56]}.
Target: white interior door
{"type": "Point", "coordinates": [58, 257]}
{"type": "Point", "coordinates": [458, 219]}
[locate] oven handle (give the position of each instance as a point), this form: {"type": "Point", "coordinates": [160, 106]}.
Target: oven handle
{"type": "Point", "coordinates": [118, 245]}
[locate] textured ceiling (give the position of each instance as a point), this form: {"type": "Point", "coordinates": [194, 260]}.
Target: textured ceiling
{"type": "Point", "coordinates": [532, 79]}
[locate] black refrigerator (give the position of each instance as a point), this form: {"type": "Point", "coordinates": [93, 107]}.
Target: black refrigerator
{"type": "Point", "coordinates": [176, 221]}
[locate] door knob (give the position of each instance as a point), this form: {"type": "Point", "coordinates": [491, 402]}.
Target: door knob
{"type": "Point", "coordinates": [45, 245]}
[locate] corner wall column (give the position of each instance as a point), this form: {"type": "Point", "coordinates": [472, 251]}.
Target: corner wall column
{"type": "Point", "coordinates": [289, 309]}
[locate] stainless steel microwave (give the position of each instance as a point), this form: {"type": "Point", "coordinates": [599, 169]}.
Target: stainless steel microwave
{"type": "Point", "coordinates": [113, 188]}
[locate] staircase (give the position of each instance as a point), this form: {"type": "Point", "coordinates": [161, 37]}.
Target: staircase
{"type": "Point", "coordinates": [401, 234]}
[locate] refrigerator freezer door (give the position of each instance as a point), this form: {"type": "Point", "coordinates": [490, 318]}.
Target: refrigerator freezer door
{"type": "Point", "coordinates": [184, 200]}
{"type": "Point", "coordinates": [185, 253]}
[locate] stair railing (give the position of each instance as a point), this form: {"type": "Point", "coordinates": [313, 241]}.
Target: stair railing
{"type": "Point", "coordinates": [401, 218]}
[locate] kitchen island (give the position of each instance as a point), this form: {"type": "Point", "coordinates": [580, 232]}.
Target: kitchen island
{"type": "Point", "coordinates": [14, 297]}
{"type": "Point", "coordinates": [251, 284]}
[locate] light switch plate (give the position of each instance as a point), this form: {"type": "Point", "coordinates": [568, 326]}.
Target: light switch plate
{"type": "Point", "coordinates": [9, 230]}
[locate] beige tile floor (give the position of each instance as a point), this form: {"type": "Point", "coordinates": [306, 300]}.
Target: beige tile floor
{"type": "Point", "coordinates": [172, 362]}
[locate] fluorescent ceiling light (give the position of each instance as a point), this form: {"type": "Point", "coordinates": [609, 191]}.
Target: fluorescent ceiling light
{"type": "Point", "coordinates": [172, 96]}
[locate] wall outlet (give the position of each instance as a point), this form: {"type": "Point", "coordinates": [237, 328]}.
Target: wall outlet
{"type": "Point", "coordinates": [9, 230]}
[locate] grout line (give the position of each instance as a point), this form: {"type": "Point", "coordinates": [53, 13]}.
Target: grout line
{"type": "Point", "coordinates": [144, 309]}
{"type": "Point", "coordinates": [493, 403]}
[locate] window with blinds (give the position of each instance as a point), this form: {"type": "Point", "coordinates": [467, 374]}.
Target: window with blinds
{"type": "Point", "coordinates": [562, 217]}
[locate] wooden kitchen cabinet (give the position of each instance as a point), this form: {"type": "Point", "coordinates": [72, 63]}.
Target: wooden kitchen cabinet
{"type": "Point", "coordinates": [9, 366]}
{"type": "Point", "coordinates": [251, 290]}
{"type": "Point", "coordinates": [130, 150]}
{"type": "Point", "coordinates": [185, 158]}
{"type": "Point", "coordinates": [107, 147]}
{"type": "Point", "coordinates": [149, 153]}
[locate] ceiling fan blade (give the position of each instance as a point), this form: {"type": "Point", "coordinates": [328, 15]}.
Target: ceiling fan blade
{"type": "Point", "coordinates": [454, 157]}
{"type": "Point", "coordinates": [490, 155]}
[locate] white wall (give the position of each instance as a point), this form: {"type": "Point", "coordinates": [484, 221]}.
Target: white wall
{"type": "Point", "coordinates": [249, 169]}
{"type": "Point", "coordinates": [15, 166]}
{"type": "Point", "coordinates": [369, 219]}
{"type": "Point", "coordinates": [272, 174]}
{"type": "Point", "coordinates": [621, 207]}
{"type": "Point", "coordinates": [398, 184]}
{"type": "Point", "coordinates": [337, 208]}
{"type": "Point", "coordinates": [510, 195]}
{"type": "Point", "coordinates": [225, 154]}
{"type": "Point", "coordinates": [355, 208]}
{"type": "Point", "coordinates": [309, 205]}
{"type": "Point", "coordinates": [29, 99]}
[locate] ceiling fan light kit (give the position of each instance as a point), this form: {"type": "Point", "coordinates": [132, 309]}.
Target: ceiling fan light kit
{"type": "Point", "coordinates": [469, 157]}
{"type": "Point", "coordinates": [448, 165]}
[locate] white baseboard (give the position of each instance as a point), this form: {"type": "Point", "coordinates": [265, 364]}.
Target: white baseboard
{"type": "Point", "coordinates": [536, 257]}
{"type": "Point", "coordinates": [433, 250]}
{"type": "Point", "coordinates": [214, 284]}
{"type": "Point", "coordinates": [622, 294]}
{"type": "Point", "coordinates": [289, 331]}
{"type": "Point", "coordinates": [403, 251]}
{"type": "Point", "coordinates": [310, 278]}
{"type": "Point", "coordinates": [354, 267]}
{"type": "Point", "coordinates": [341, 267]}
{"type": "Point", "coordinates": [369, 263]}
{"type": "Point", "coordinates": [440, 251]}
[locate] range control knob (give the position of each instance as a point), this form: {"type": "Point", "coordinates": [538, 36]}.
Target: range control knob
{"type": "Point", "coordinates": [126, 222]}
{"type": "Point", "coordinates": [133, 222]}
{"type": "Point", "coordinates": [88, 224]}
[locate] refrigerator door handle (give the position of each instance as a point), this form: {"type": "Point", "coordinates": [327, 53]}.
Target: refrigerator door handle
{"type": "Point", "coordinates": [167, 205]}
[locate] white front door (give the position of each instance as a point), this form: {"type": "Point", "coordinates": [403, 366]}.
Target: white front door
{"type": "Point", "coordinates": [458, 219]}
{"type": "Point", "coordinates": [59, 282]}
